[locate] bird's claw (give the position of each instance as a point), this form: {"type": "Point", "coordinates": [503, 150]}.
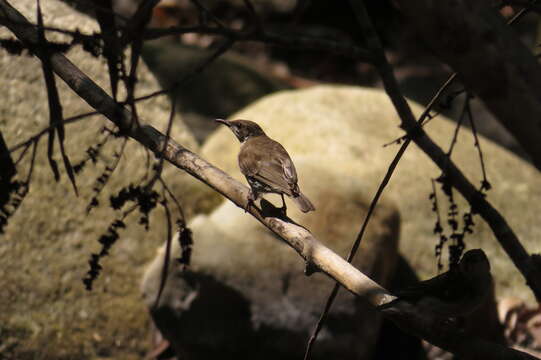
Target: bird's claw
{"type": "Point", "coordinates": [283, 209]}
{"type": "Point", "coordinates": [250, 202]}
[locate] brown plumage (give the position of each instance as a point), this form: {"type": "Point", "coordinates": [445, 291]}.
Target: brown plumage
{"type": "Point", "coordinates": [266, 164]}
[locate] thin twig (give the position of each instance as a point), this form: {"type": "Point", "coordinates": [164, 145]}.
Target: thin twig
{"type": "Point", "coordinates": [168, 243]}
{"type": "Point", "coordinates": [477, 145]}
{"type": "Point", "coordinates": [355, 247]}
{"type": "Point", "coordinates": [203, 9]}
{"type": "Point", "coordinates": [104, 178]}
{"type": "Point", "coordinates": [426, 117]}
{"type": "Point", "coordinates": [111, 49]}
{"type": "Point", "coordinates": [137, 22]}
{"type": "Point", "coordinates": [161, 160]}
{"type": "Point", "coordinates": [463, 114]}
{"type": "Point", "coordinates": [55, 109]}
{"type": "Point", "coordinates": [44, 131]}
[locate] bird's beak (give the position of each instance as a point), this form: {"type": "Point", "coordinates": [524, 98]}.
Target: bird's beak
{"type": "Point", "coordinates": [225, 122]}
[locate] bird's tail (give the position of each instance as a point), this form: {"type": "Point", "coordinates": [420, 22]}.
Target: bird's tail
{"type": "Point", "coordinates": [303, 203]}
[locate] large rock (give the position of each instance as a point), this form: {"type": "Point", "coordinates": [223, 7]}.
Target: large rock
{"type": "Point", "coordinates": [245, 295]}
{"type": "Point", "coordinates": [342, 129]}
{"type": "Point", "coordinates": [46, 311]}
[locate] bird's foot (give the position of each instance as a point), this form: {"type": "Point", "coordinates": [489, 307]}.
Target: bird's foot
{"type": "Point", "coordinates": [310, 268]}
{"type": "Point", "coordinates": [250, 201]}
{"type": "Point", "coordinates": [283, 209]}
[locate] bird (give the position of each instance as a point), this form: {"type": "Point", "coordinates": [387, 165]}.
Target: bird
{"type": "Point", "coordinates": [457, 292]}
{"type": "Point", "coordinates": [266, 165]}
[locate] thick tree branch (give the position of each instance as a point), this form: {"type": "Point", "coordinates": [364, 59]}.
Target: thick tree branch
{"type": "Point", "coordinates": [490, 59]}
{"type": "Point", "coordinates": [300, 239]}
{"type": "Point", "coordinates": [503, 232]}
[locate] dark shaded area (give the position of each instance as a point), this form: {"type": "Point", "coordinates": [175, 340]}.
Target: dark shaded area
{"type": "Point", "coordinates": [218, 333]}
{"type": "Point", "coordinates": [393, 343]}
{"type": "Point", "coordinates": [338, 23]}
{"type": "Point", "coordinates": [211, 319]}
{"type": "Point", "coordinates": [7, 171]}
{"type": "Point", "coordinates": [11, 191]}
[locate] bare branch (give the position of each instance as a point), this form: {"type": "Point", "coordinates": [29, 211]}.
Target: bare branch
{"type": "Point", "coordinates": [112, 50]}
{"type": "Point", "coordinates": [55, 109]}
{"type": "Point", "coordinates": [167, 257]}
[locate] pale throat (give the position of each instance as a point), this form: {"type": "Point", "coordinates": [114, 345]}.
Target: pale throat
{"type": "Point", "coordinates": [247, 137]}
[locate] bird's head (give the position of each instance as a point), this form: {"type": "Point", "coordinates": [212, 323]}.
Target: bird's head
{"type": "Point", "coordinates": [474, 263]}
{"type": "Point", "coordinates": [243, 129]}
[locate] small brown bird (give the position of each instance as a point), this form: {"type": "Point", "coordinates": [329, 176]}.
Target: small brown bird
{"type": "Point", "coordinates": [266, 164]}
{"type": "Point", "coordinates": [457, 292]}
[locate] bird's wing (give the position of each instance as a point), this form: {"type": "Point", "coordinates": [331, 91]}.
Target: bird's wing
{"type": "Point", "coordinates": [281, 158]}
{"type": "Point", "coordinates": [271, 165]}
{"type": "Point", "coordinates": [249, 166]}
{"type": "Point", "coordinates": [272, 174]}
{"type": "Point", "coordinates": [289, 169]}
